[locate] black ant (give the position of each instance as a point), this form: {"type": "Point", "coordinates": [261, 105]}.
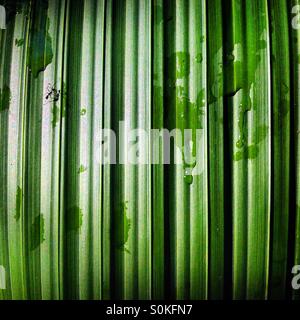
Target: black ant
{"type": "Point", "coordinates": [52, 93]}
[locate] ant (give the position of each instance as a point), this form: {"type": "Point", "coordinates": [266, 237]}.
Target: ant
{"type": "Point", "coordinates": [52, 93]}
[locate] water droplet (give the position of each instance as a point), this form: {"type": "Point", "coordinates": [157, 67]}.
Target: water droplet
{"type": "Point", "coordinates": [188, 179]}
{"type": "Point", "coordinates": [240, 143]}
